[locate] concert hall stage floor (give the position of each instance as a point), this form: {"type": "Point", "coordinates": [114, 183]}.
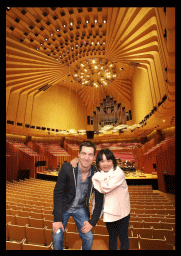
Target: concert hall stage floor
{"type": "Point", "coordinates": [146, 179]}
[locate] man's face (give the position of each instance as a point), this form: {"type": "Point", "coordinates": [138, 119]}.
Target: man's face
{"type": "Point", "coordinates": [86, 156]}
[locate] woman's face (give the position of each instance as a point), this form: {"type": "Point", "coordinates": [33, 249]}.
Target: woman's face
{"type": "Point", "coordinates": [105, 165]}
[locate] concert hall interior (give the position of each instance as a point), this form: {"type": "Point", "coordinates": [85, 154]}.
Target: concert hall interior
{"type": "Point", "coordinates": [104, 74]}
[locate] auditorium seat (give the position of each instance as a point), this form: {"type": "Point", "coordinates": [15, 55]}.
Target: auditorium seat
{"type": "Point", "coordinates": [37, 223]}
{"type": "Point", "coordinates": [48, 216]}
{"type": "Point", "coordinates": [99, 244]}
{"type": "Point", "coordinates": [47, 211]}
{"type": "Point", "coordinates": [71, 227]}
{"type": "Point", "coordinates": [154, 244]}
{"type": "Point", "coordinates": [36, 215]}
{"type": "Point", "coordinates": [48, 224]}
{"type": "Point", "coordinates": [35, 235]}
{"type": "Point", "coordinates": [48, 236]}
{"type": "Point", "coordinates": [100, 229]}
{"type": "Point", "coordinates": [22, 221]}
{"type": "Point", "coordinates": [25, 214]}
{"type": "Point", "coordinates": [14, 212]}
{"type": "Point", "coordinates": [12, 245]}
{"type": "Point", "coordinates": [28, 246]}
{"type": "Point", "coordinates": [136, 224]}
{"type": "Point", "coordinates": [73, 240]}
{"type": "Point", "coordinates": [143, 232]}
{"type": "Point", "coordinates": [168, 234]}
{"type": "Point", "coordinates": [134, 243]}
{"type": "Point", "coordinates": [166, 225]}
{"type": "Point", "coordinates": [11, 218]}
{"type": "Point", "coordinates": [156, 225]}
{"type": "Point", "coordinates": [16, 233]}
{"type": "Point", "coordinates": [104, 237]}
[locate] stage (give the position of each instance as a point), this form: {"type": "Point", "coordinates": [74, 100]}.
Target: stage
{"type": "Point", "coordinates": [132, 179]}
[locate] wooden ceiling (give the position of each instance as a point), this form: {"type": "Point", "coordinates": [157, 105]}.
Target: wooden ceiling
{"type": "Point", "coordinates": [43, 46]}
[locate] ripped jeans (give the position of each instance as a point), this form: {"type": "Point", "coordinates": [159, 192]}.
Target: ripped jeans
{"type": "Point", "coordinates": [80, 216]}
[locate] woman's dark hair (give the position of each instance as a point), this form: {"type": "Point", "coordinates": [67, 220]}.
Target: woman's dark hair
{"type": "Point", "coordinates": [109, 156]}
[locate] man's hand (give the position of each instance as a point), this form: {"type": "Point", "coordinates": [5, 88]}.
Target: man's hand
{"type": "Point", "coordinates": [56, 226]}
{"type": "Point", "coordinates": [87, 227]}
{"type": "Point", "coordinates": [74, 162]}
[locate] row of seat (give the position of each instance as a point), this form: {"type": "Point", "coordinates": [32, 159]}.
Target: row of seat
{"type": "Point", "coordinates": [35, 202]}
{"type": "Point", "coordinates": [98, 229]}
{"type": "Point", "coordinates": [101, 242]}
{"type": "Point", "coordinates": [28, 206]}
{"type": "Point", "coordinates": [40, 213]}
{"type": "Point", "coordinates": [135, 221]}
{"type": "Point", "coordinates": [23, 245]}
{"type": "Point", "coordinates": [32, 222]}
{"type": "Point", "coordinates": [42, 237]}
{"type": "Point", "coordinates": [30, 214]}
{"type": "Point", "coordinates": [145, 210]}
{"type": "Point", "coordinates": [140, 188]}
{"type": "Point", "coordinates": [143, 232]}
{"type": "Point", "coordinates": [32, 235]}
{"type": "Point", "coordinates": [34, 198]}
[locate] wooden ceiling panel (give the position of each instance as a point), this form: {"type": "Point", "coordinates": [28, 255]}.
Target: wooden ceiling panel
{"type": "Point", "coordinates": [44, 45]}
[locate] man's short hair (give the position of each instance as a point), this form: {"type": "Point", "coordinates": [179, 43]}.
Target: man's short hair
{"type": "Point", "coordinates": [88, 144]}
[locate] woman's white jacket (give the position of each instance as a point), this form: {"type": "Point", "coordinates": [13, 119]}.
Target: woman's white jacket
{"type": "Point", "coordinates": [114, 187]}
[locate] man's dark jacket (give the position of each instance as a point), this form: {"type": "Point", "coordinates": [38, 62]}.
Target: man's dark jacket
{"type": "Point", "coordinates": [65, 190]}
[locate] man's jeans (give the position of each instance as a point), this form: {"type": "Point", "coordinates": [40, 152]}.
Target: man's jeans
{"type": "Point", "coordinates": [80, 216]}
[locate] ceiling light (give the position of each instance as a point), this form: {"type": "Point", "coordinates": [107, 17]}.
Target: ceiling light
{"type": "Point", "coordinates": [51, 34]}
{"type": "Point", "coordinates": [92, 72]}
{"type": "Point", "coordinates": [87, 21]}
{"type": "Point", "coordinates": [46, 39]}
{"type": "Point", "coordinates": [58, 29]}
{"type": "Point", "coordinates": [95, 21]}
{"type": "Point", "coordinates": [71, 23]}
{"type": "Point", "coordinates": [104, 21]}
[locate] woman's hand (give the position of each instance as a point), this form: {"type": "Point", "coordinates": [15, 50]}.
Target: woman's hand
{"type": "Point", "coordinates": [74, 162]}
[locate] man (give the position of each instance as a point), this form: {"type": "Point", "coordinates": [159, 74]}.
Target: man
{"type": "Point", "coordinates": [72, 195]}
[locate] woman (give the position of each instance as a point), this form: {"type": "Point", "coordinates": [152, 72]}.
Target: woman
{"type": "Point", "coordinates": [110, 181]}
